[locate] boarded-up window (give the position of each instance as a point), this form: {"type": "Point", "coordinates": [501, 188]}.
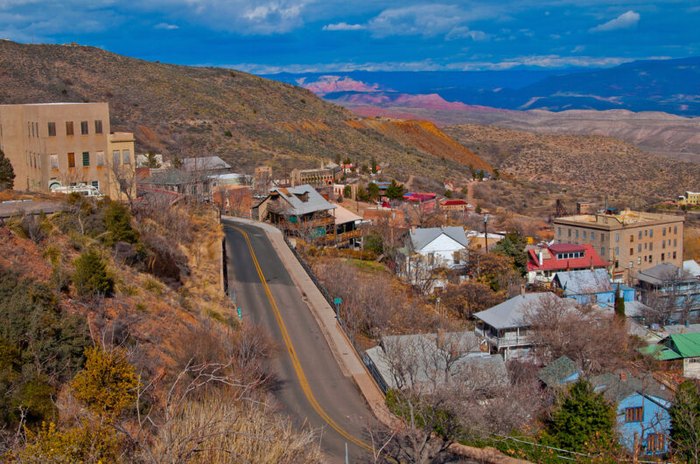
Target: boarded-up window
{"type": "Point", "coordinates": [52, 129]}
{"type": "Point", "coordinates": [69, 127]}
{"type": "Point", "coordinates": [71, 160]}
{"type": "Point", "coordinates": [100, 158]}
{"type": "Point", "coordinates": [98, 126]}
{"type": "Point", "coordinates": [84, 127]}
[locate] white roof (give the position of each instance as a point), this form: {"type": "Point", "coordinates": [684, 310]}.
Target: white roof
{"type": "Point", "coordinates": [424, 237]}
{"type": "Point", "coordinates": [344, 215]}
{"type": "Point", "coordinates": [692, 267]}
{"type": "Point", "coordinates": [315, 202]}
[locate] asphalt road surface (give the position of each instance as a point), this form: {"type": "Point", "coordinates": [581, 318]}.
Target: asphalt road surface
{"type": "Point", "coordinates": [312, 389]}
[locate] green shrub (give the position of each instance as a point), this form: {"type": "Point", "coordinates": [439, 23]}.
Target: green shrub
{"type": "Point", "coordinates": [117, 219]}
{"type": "Point", "coordinates": [90, 277]}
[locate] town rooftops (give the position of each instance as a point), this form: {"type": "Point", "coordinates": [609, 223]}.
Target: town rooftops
{"type": "Point", "coordinates": [564, 256]}
{"type": "Point", "coordinates": [420, 238]}
{"type": "Point", "coordinates": [419, 197]}
{"type": "Point", "coordinates": [662, 273]}
{"type": "Point", "coordinates": [584, 282]}
{"type": "Point", "coordinates": [303, 199]}
{"type": "Point", "coordinates": [454, 203]}
{"type": "Point", "coordinates": [511, 313]}
{"type": "Point", "coordinates": [204, 163]}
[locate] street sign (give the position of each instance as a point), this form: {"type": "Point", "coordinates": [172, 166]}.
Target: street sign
{"type": "Point", "coordinates": [337, 301]}
{"type": "Point", "coordinates": [240, 313]}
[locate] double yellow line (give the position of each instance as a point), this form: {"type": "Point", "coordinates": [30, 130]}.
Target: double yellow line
{"type": "Point", "coordinates": [303, 381]}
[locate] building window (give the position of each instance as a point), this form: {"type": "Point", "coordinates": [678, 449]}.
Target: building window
{"type": "Point", "coordinates": [98, 126]}
{"type": "Point", "coordinates": [52, 129]}
{"type": "Point", "coordinates": [663, 231]}
{"type": "Point", "coordinates": [634, 414]}
{"type": "Point", "coordinates": [631, 251]}
{"type": "Point", "coordinates": [569, 233]}
{"type": "Point", "coordinates": [69, 127]}
{"type": "Point", "coordinates": [651, 232]}
{"type": "Point", "coordinates": [639, 237]}
{"type": "Point", "coordinates": [617, 251]}
{"type": "Point", "coordinates": [675, 242]}
{"type": "Point", "coordinates": [126, 157]}
{"type": "Point", "coordinates": [54, 161]}
{"type": "Point", "coordinates": [86, 158]}
{"type": "Point", "coordinates": [577, 234]}
{"type": "Point", "coordinates": [592, 235]}
{"type": "Point", "coordinates": [650, 259]}
{"type": "Point", "coordinates": [656, 442]}
{"type": "Point", "coordinates": [617, 236]}
{"type": "Point", "coordinates": [639, 248]}
{"type": "Point", "coordinates": [116, 158]}
{"type": "Point", "coordinates": [84, 127]}
{"type": "Point", "coordinates": [100, 158]}
{"type": "Point", "coordinates": [675, 230]}
{"type": "Point", "coordinates": [96, 184]}
{"type": "Point", "coordinates": [584, 234]}
{"type": "Point", "coordinates": [651, 246]}
{"type": "Point", "coordinates": [663, 256]}
{"type": "Point", "coordinates": [674, 255]}
{"type": "Point", "coordinates": [71, 160]}
{"type": "Point", "coordinates": [602, 252]}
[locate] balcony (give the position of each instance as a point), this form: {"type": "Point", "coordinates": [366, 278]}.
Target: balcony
{"type": "Point", "coordinates": [510, 340]}
{"type": "Point", "coordinates": [340, 238]}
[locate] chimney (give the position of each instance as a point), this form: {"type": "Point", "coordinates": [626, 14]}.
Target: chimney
{"type": "Point", "coordinates": [522, 289]}
{"type": "Point", "coordinates": [540, 257]}
{"type": "Point", "coordinates": [623, 376]}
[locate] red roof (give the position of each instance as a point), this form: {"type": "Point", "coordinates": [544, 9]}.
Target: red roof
{"type": "Point", "coordinates": [454, 202]}
{"type": "Point", "coordinates": [589, 259]}
{"type": "Point", "coordinates": [566, 248]}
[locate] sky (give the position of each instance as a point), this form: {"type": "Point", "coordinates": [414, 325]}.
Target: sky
{"type": "Point", "coordinates": [268, 36]}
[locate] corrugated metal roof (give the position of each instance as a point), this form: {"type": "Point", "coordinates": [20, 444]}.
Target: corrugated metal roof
{"type": "Point", "coordinates": [554, 373]}
{"type": "Point", "coordinates": [298, 207]}
{"type": "Point", "coordinates": [584, 282]}
{"type": "Point", "coordinates": [510, 314]}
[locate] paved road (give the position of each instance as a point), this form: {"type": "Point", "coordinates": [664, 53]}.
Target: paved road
{"type": "Point", "coordinates": [313, 389]}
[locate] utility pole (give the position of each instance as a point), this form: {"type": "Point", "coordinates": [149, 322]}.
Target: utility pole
{"type": "Point", "coordinates": [486, 234]}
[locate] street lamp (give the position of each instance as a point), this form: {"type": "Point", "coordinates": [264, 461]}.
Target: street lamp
{"type": "Point", "coordinates": [486, 234]}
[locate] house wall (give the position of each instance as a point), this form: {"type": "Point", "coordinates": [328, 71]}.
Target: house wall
{"type": "Point", "coordinates": [655, 420]}
{"type": "Point", "coordinates": [443, 248]}
{"type": "Point", "coordinates": [691, 368]}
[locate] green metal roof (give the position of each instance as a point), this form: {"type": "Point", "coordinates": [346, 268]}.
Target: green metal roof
{"type": "Point", "coordinates": [687, 345]}
{"type": "Point", "coordinates": [660, 352]}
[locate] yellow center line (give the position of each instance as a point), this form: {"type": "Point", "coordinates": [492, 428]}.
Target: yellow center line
{"type": "Point", "coordinates": [306, 388]}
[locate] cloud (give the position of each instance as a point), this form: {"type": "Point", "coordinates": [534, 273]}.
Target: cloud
{"type": "Point", "coordinates": [626, 20]}
{"type": "Point", "coordinates": [424, 20]}
{"type": "Point", "coordinates": [343, 26]}
{"type": "Point", "coordinates": [166, 26]}
{"type": "Point", "coordinates": [463, 32]}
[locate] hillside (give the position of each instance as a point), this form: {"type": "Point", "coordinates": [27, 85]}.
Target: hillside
{"type": "Point", "coordinates": [187, 111]}
{"type": "Point", "coordinates": [578, 167]}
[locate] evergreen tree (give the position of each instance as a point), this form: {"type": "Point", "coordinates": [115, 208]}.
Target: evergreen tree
{"type": "Point", "coordinates": [347, 191]}
{"type": "Point", "coordinates": [513, 245]}
{"type": "Point", "coordinates": [582, 420]}
{"type": "Point", "coordinates": [373, 191]}
{"type": "Point", "coordinates": [118, 224]}
{"type": "Point", "coordinates": [619, 303]}
{"type": "Point", "coordinates": [373, 165]}
{"type": "Point", "coordinates": [90, 277]}
{"type": "Point", "coordinates": [685, 422]}
{"type": "Point", "coordinates": [7, 174]}
{"type": "Point", "coordinates": [395, 190]}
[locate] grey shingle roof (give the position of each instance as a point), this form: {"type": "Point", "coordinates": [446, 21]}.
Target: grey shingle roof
{"type": "Point", "coordinates": [420, 238]}
{"type": "Point", "coordinates": [662, 273]}
{"type": "Point", "coordinates": [510, 313]}
{"type": "Point", "coordinates": [616, 387]}
{"type": "Point", "coordinates": [584, 281]}
{"type": "Point", "coordinates": [204, 163]}
{"type": "Point", "coordinates": [554, 373]}
{"type": "Point", "coordinates": [297, 206]}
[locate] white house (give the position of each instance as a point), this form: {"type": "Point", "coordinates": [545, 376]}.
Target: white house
{"type": "Point", "coordinates": [430, 249]}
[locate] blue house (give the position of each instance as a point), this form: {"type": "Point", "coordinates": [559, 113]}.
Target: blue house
{"type": "Point", "coordinates": [642, 410]}
{"type": "Point", "coordinates": [588, 286]}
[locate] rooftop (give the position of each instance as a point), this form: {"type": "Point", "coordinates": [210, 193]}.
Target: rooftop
{"type": "Point", "coordinates": [550, 262]}
{"type": "Point", "coordinates": [584, 282]}
{"type": "Point", "coordinates": [344, 215]}
{"type": "Point", "coordinates": [556, 372]}
{"type": "Point", "coordinates": [663, 273]}
{"type": "Point", "coordinates": [206, 163]}
{"type": "Point", "coordinates": [511, 313]}
{"type": "Point", "coordinates": [421, 238]}
{"type": "Point", "coordinates": [621, 219]}
{"type": "Point", "coordinates": [303, 199]}
{"type": "Point", "coordinates": [618, 386]}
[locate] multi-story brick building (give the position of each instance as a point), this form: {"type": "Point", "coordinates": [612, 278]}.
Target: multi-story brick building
{"type": "Point", "coordinates": [65, 143]}
{"type": "Point", "coordinates": [630, 240]}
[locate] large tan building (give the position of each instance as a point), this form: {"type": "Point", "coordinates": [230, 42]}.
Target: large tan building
{"type": "Point", "coordinates": [66, 144]}
{"type": "Point", "coordinates": [630, 240]}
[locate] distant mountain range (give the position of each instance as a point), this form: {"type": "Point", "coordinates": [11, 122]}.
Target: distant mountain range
{"type": "Point", "coordinates": [671, 86]}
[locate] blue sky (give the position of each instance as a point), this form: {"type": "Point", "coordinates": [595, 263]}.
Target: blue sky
{"type": "Point", "coordinates": [339, 35]}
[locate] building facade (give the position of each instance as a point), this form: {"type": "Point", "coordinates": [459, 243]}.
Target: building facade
{"type": "Point", "coordinates": [65, 144]}
{"type": "Point", "coordinates": [630, 240]}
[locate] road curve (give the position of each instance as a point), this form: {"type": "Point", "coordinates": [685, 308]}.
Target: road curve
{"type": "Point", "coordinates": [313, 389]}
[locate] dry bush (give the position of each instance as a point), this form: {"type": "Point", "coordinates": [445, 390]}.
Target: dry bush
{"type": "Point", "coordinates": [595, 340]}
{"type": "Point", "coordinates": [217, 430]}
{"type": "Point", "coordinates": [374, 303]}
